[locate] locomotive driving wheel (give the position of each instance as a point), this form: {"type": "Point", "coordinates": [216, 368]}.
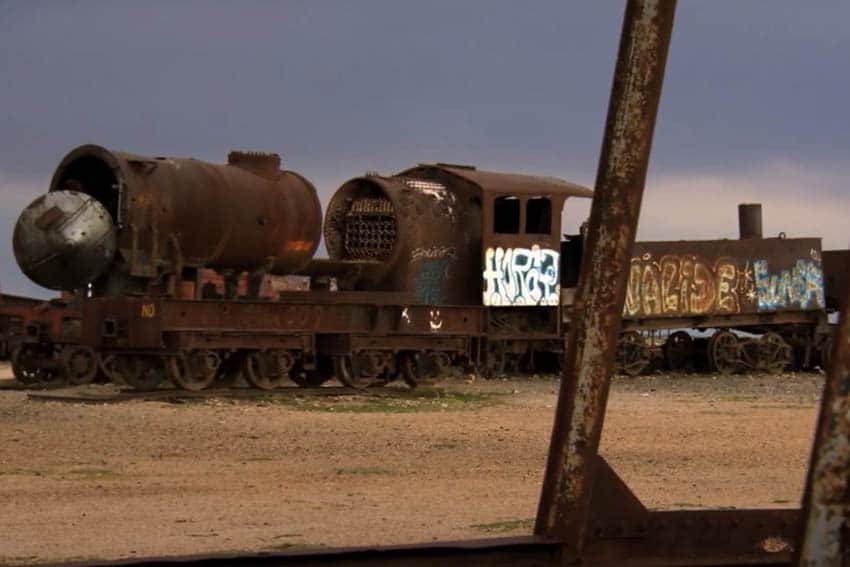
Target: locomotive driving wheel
{"type": "Point", "coordinates": [633, 354]}
{"type": "Point", "coordinates": [229, 370]}
{"type": "Point", "coordinates": [348, 372]}
{"type": "Point", "coordinates": [724, 352]}
{"type": "Point", "coordinates": [775, 354]}
{"type": "Point", "coordinates": [80, 364]}
{"type": "Point", "coordinates": [417, 368]}
{"type": "Point", "coordinates": [27, 369]}
{"type": "Point", "coordinates": [679, 352]}
{"type": "Point", "coordinates": [268, 369]}
{"type": "Point", "coordinates": [193, 370]}
{"type": "Point", "coordinates": [106, 365]}
{"type": "Point", "coordinates": [140, 372]}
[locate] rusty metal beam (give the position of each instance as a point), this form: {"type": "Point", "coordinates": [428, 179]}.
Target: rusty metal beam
{"type": "Point", "coordinates": [592, 343]}
{"type": "Point", "coordinates": [825, 537]}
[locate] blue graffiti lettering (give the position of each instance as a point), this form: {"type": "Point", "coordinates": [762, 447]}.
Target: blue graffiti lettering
{"type": "Point", "coordinates": [801, 286]}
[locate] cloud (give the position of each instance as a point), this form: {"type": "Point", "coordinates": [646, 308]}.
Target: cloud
{"type": "Point", "coordinates": [801, 200]}
{"type": "Point", "coordinates": [15, 194]}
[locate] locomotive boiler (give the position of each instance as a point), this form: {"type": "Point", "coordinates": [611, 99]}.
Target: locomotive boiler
{"type": "Point", "coordinates": [118, 221]}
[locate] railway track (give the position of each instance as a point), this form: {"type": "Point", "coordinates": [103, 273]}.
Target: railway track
{"type": "Point", "coordinates": [174, 395]}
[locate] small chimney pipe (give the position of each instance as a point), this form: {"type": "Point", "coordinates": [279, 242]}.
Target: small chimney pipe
{"type": "Point", "coordinates": [749, 220]}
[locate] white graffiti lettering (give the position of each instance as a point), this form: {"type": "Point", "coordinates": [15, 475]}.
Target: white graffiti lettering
{"type": "Point", "coordinates": [435, 322]}
{"type": "Point", "coordinates": [433, 252]}
{"type": "Point", "coordinates": [522, 276]}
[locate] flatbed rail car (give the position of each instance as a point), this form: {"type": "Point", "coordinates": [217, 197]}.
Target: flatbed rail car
{"type": "Point", "coordinates": [305, 337]}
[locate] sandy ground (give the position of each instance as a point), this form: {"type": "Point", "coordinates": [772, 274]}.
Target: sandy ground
{"type": "Point", "coordinates": [464, 460]}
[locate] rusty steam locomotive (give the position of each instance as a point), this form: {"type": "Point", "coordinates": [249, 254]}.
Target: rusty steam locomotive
{"type": "Point", "coordinates": [440, 264]}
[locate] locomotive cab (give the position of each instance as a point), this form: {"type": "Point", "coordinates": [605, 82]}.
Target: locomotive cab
{"type": "Point", "coordinates": [523, 258]}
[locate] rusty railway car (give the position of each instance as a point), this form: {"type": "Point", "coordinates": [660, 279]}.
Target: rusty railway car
{"type": "Point", "coordinates": [13, 311]}
{"type": "Point", "coordinates": [438, 265]}
{"type": "Point", "coordinates": [45, 344]}
{"type": "Point", "coordinates": [763, 298]}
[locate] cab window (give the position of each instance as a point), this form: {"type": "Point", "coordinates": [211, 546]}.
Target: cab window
{"type": "Point", "coordinates": [538, 216]}
{"type": "Point", "coordinates": [506, 215]}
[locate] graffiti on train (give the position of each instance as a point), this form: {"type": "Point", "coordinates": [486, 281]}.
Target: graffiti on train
{"type": "Point", "coordinates": [692, 285]}
{"type": "Point", "coordinates": [521, 276]}
{"type": "Point", "coordinates": [800, 286]}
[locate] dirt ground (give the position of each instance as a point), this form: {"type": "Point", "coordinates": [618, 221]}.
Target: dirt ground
{"type": "Point", "coordinates": [461, 460]}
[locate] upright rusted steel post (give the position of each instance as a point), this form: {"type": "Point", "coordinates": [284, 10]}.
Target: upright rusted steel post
{"type": "Point", "coordinates": [825, 534]}
{"type": "Point", "coordinates": [592, 340]}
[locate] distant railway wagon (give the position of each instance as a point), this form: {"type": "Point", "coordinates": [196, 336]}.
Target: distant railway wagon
{"type": "Point", "coordinates": [438, 265]}
{"type": "Point", "coordinates": [770, 287]}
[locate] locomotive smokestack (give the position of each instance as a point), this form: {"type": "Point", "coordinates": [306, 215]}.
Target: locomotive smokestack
{"type": "Point", "coordinates": [749, 220]}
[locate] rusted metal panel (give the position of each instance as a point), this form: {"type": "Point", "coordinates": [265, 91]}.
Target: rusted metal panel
{"type": "Point", "coordinates": [255, 218]}
{"type": "Point", "coordinates": [809, 318]}
{"type": "Point", "coordinates": [724, 277]}
{"type": "Point", "coordinates": [825, 537]}
{"type": "Point", "coordinates": [500, 182]}
{"type": "Point", "coordinates": [123, 323]}
{"type": "Point", "coordinates": [592, 342]}
{"type": "Point", "coordinates": [836, 269]}
{"type": "Point", "coordinates": [413, 235]}
{"type": "Point", "coordinates": [681, 538]}
{"type": "Point", "coordinates": [137, 323]}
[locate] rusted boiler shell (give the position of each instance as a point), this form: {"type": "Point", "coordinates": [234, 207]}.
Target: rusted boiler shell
{"type": "Point", "coordinates": [175, 213]}
{"type": "Point", "coordinates": [424, 233]}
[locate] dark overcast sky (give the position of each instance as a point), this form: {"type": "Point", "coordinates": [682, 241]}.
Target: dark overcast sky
{"type": "Point", "coordinates": [754, 104]}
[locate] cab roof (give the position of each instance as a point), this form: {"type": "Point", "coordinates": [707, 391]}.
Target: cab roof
{"type": "Point", "coordinates": [499, 182]}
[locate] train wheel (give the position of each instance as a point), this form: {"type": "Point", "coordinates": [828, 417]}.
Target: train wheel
{"type": "Point", "coordinates": [80, 364]}
{"type": "Point", "coordinates": [140, 372]}
{"type": "Point", "coordinates": [411, 368]}
{"type": "Point", "coordinates": [106, 366]}
{"type": "Point", "coordinates": [268, 370]}
{"type": "Point", "coordinates": [679, 352]}
{"type": "Point", "coordinates": [775, 355]}
{"type": "Point", "coordinates": [26, 368]}
{"type": "Point", "coordinates": [633, 355]}
{"type": "Point", "coordinates": [724, 352]}
{"type": "Point", "coordinates": [497, 360]}
{"type": "Point", "coordinates": [315, 377]}
{"type": "Point", "coordinates": [229, 371]}
{"type": "Point", "coordinates": [194, 370]}
{"type": "Point", "coordinates": [311, 378]}
{"type": "Point", "coordinates": [348, 372]}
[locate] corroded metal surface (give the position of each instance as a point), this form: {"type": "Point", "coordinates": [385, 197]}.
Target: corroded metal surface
{"type": "Point", "coordinates": [173, 214]}
{"type": "Point", "coordinates": [592, 342]}
{"type": "Point", "coordinates": [428, 229]}
{"type": "Point", "coordinates": [826, 504]}
{"type": "Point", "coordinates": [749, 220]}
{"type": "Point", "coordinates": [725, 277]}
{"type": "Point", "coordinates": [836, 267]}
{"type": "Point", "coordinates": [64, 240]}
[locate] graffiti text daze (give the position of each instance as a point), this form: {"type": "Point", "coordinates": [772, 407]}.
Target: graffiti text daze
{"type": "Point", "coordinates": [521, 276]}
